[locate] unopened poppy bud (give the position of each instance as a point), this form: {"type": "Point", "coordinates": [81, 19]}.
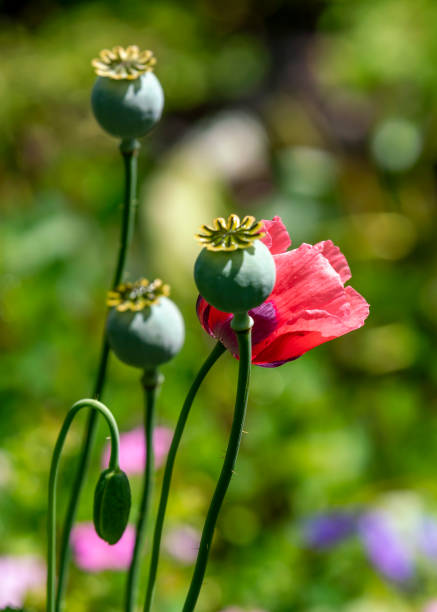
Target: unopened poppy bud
{"type": "Point", "coordinates": [127, 98]}
{"type": "Point", "coordinates": [145, 328]}
{"type": "Point", "coordinates": [112, 501]}
{"type": "Point", "coordinates": [235, 271]}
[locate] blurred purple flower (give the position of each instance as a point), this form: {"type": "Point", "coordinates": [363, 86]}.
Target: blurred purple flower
{"type": "Point", "coordinates": [385, 548]}
{"type": "Point", "coordinates": [427, 538]}
{"type": "Point", "coordinates": [94, 555]}
{"type": "Point", "coordinates": [133, 449]}
{"type": "Point", "coordinates": [328, 529]}
{"type": "Point", "coordinates": [18, 575]}
{"type": "Point", "coordinates": [390, 546]}
{"type": "Point", "coordinates": [182, 543]}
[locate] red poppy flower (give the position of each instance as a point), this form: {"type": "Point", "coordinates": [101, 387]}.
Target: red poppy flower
{"type": "Point", "coordinates": [309, 304]}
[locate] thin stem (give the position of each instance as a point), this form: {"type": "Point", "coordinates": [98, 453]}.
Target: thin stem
{"type": "Point", "coordinates": [130, 159]}
{"type": "Point", "coordinates": [217, 351]}
{"type": "Point", "coordinates": [129, 154]}
{"type": "Point", "coordinates": [51, 513]}
{"type": "Point", "coordinates": [244, 344]}
{"type": "Point", "coordinates": [151, 385]}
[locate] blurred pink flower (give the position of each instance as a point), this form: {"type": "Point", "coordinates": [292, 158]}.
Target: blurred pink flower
{"type": "Point", "coordinates": [133, 449]}
{"type": "Point", "coordinates": [431, 606]}
{"type": "Point", "coordinates": [94, 555]}
{"type": "Point", "coordinates": [18, 575]}
{"type": "Point", "coordinates": [182, 543]}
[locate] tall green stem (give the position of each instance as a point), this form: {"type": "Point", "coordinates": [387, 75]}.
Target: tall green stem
{"type": "Point", "coordinates": [217, 351]}
{"type": "Point", "coordinates": [51, 513]}
{"type": "Point", "coordinates": [244, 344]}
{"type": "Point", "coordinates": [151, 382]}
{"type": "Point", "coordinates": [129, 151]}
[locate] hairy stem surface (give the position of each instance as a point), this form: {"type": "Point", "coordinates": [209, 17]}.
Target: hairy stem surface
{"type": "Point", "coordinates": [217, 351]}
{"type": "Point", "coordinates": [244, 344]}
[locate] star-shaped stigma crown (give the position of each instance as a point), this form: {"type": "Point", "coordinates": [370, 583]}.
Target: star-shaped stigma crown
{"type": "Point", "coordinates": [138, 295]}
{"type": "Point", "coordinates": [230, 235]}
{"type": "Point", "coordinates": [120, 63]}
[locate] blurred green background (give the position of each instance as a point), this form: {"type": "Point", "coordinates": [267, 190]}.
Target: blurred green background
{"type": "Point", "coordinates": [322, 112]}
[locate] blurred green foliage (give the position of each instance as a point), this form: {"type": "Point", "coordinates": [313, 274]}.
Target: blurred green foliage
{"type": "Point", "coordinates": [321, 112]}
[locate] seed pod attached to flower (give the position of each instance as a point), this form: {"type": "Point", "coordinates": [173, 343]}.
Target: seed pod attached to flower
{"type": "Point", "coordinates": [145, 328]}
{"type": "Point", "coordinates": [127, 98]}
{"type": "Point", "coordinates": [234, 271]}
{"type": "Point", "coordinates": [112, 501]}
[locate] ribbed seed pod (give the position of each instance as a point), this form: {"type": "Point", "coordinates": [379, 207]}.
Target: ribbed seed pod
{"type": "Point", "coordinates": [145, 328]}
{"type": "Point", "coordinates": [127, 98]}
{"type": "Point", "coordinates": [127, 109]}
{"type": "Point", "coordinates": [235, 271]}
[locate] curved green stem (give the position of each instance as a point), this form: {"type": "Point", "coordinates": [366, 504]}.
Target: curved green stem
{"type": "Point", "coordinates": [244, 344]}
{"type": "Point", "coordinates": [129, 152]}
{"type": "Point", "coordinates": [51, 513]}
{"type": "Point", "coordinates": [151, 383]}
{"type": "Point", "coordinates": [217, 351]}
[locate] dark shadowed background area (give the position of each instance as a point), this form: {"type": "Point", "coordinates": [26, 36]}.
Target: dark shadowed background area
{"type": "Point", "coordinates": [321, 112]}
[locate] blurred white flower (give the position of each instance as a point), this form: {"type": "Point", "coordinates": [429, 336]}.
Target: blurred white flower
{"type": "Point", "coordinates": [18, 576]}
{"type": "Point", "coordinates": [182, 543]}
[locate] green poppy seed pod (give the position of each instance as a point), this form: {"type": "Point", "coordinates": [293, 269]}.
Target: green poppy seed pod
{"type": "Point", "coordinates": [127, 98]}
{"type": "Point", "coordinates": [145, 329]}
{"type": "Point", "coordinates": [235, 272]}
{"type": "Point", "coordinates": [112, 501]}
{"type": "Point", "coordinates": [127, 109]}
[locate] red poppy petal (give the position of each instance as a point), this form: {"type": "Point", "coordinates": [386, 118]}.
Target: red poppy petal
{"type": "Point", "coordinates": [349, 316]}
{"type": "Point", "coordinates": [346, 313]}
{"type": "Point", "coordinates": [305, 280]}
{"type": "Point", "coordinates": [266, 322]}
{"type": "Point", "coordinates": [359, 308]}
{"type": "Point", "coordinates": [216, 323]}
{"type": "Point", "coordinates": [287, 347]}
{"type": "Point", "coordinates": [202, 310]}
{"type": "Point", "coordinates": [312, 306]}
{"type": "Point", "coordinates": [290, 345]}
{"type": "Point", "coordinates": [335, 257]}
{"type": "Point", "coordinates": [309, 304]}
{"type": "Point", "coordinates": [277, 238]}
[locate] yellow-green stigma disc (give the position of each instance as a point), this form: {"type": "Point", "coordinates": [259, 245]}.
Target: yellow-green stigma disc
{"type": "Point", "coordinates": [230, 235]}
{"type": "Point", "coordinates": [119, 63]}
{"type": "Point", "coordinates": [138, 295]}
